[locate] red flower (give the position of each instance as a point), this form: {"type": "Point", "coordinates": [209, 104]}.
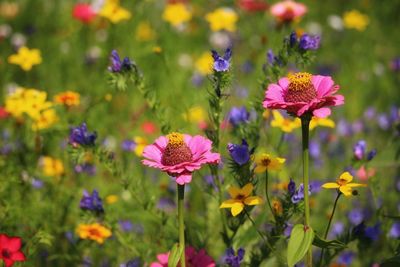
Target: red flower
{"type": "Point", "coordinates": [148, 127]}
{"type": "Point", "coordinates": [9, 249]}
{"type": "Point", "coordinates": [83, 13]}
{"type": "Point", "coordinates": [3, 113]}
{"type": "Point", "coordinates": [252, 5]}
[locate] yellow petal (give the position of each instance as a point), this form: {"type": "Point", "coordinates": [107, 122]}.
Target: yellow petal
{"type": "Point", "coordinates": [356, 185]}
{"type": "Point", "coordinates": [346, 177]}
{"type": "Point", "coordinates": [346, 190]}
{"type": "Point", "coordinates": [237, 208]}
{"type": "Point", "coordinates": [234, 191]}
{"type": "Point", "coordinates": [247, 189]}
{"type": "Point", "coordinates": [228, 203]}
{"type": "Point", "coordinates": [276, 164]}
{"type": "Point", "coordinates": [255, 200]}
{"type": "Point", "coordinates": [330, 185]}
{"type": "Point", "coordinates": [260, 169]}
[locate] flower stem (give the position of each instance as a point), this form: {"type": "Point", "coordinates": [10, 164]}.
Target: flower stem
{"type": "Point", "coordinates": [258, 231]}
{"type": "Point", "coordinates": [267, 196]}
{"type": "Point", "coordinates": [181, 195]}
{"type": "Point", "coordinates": [329, 226]}
{"type": "Point", "coordinates": [305, 125]}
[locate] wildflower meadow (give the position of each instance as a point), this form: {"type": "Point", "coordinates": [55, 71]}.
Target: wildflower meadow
{"type": "Point", "coordinates": [199, 133]}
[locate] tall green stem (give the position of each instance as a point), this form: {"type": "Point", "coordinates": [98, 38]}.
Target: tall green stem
{"type": "Point", "coordinates": [267, 195]}
{"type": "Point", "coordinates": [321, 258]}
{"type": "Point", "coordinates": [305, 125]}
{"type": "Point", "coordinates": [181, 195]}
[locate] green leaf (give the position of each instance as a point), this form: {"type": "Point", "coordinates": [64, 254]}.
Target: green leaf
{"type": "Point", "coordinates": [175, 255]}
{"type": "Point", "coordinates": [299, 242]}
{"type": "Point", "coordinates": [392, 262]}
{"type": "Point", "coordinates": [331, 244]}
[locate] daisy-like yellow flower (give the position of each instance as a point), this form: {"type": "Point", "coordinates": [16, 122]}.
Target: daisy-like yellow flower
{"type": "Point", "coordinates": [144, 32]}
{"type": "Point", "coordinates": [195, 114]}
{"type": "Point", "coordinates": [51, 166]}
{"type": "Point", "coordinates": [47, 118]}
{"type": "Point", "coordinates": [68, 98]}
{"type": "Point", "coordinates": [287, 125]}
{"type": "Point", "coordinates": [324, 122]}
{"type": "Point", "coordinates": [141, 143]}
{"type": "Point", "coordinates": [222, 19]}
{"type": "Point", "coordinates": [344, 184]}
{"type": "Point", "coordinates": [266, 162]}
{"type": "Point", "coordinates": [112, 11]}
{"type": "Point", "coordinates": [26, 58]}
{"type": "Point", "coordinates": [111, 199]}
{"type": "Point", "coordinates": [354, 19]}
{"type": "Point", "coordinates": [204, 64]}
{"type": "Point", "coordinates": [239, 198]}
{"type": "Point", "coordinates": [176, 14]}
{"type": "Point", "coordinates": [94, 231]}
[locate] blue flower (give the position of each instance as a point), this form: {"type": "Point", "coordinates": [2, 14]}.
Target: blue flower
{"type": "Point", "coordinates": [80, 136]}
{"type": "Point", "coordinates": [373, 232]}
{"type": "Point", "coordinates": [234, 260]}
{"type": "Point", "coordinates": [356, 216]}
{"type": "Point", "coordinates": [395, 230]}
{"type": "Point", "coordinates": [88, 168]}
{"type": "Point", "coordinates": [91, 202]}
{"type": "Point", "coordinates": [346, 258]}
{"type": "Point", "coordinates": [299, 194]}
{"type": "Point", "coordinates": [359, 149]}
{"type": "Point", "coordinates": [239, 153]}
{"type": "Point", "coordinates": [337, 229]}
{"type": "Point", "coordinates": [371, 154]}
{"type": "Point", "coordinates": [292, 187]}
{"type": "Point", "coordinates": [293, 39]}
{"type": "Point", "coordinates": [238, 115]}
{"type": "Point", "coordinates": [128, 145]}
{"type": "Point", "coordinates": [309, 42]}
{"type": "Point", "coordinates": [222, 63]}
{"type": "Point", "coordinates": [132, 263]}
{"type": "Point", "coordinates": [117, 65]}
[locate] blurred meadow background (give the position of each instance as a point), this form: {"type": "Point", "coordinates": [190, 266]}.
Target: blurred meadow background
{"type": "Point", "coordinates": [43, 177]}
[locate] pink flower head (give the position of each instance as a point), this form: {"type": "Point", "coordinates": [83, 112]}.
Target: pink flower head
{"type": "Point", "coordinates": [83, 13]}
{"type": "Point", "coordinates": [193, 259]}
{"type": "Point", "coordinates": [301, 93]}
{"type": "Point", "coordinates": [252, 5]}
{"type": "Point", "coordinates": [179, 155]}
{"type": "Point", "coordinates": [288, 10]}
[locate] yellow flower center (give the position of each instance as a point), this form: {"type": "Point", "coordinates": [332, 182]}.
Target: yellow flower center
{"type": "Point", "coordinates": [265, 161]}
{"type": "Point", "coordinates": [341, 182]}
{"type": "Point", "coordinates": [301, 88]}
{"type": "Point", "coordinates": [176, 151]}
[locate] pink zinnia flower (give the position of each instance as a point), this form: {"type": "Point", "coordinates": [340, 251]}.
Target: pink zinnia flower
{"type": "Point", "coordinates": [193, 259]}
{"type": "Point", "coordinates": [302, 93]}
{"type": "Point", "coordinates": [83, 13]}
{"type": "Point", "coordinates": [288, 10]}
{"type": "Point", "coordinates": [179, 155]}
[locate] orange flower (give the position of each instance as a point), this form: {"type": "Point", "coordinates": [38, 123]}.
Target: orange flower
{"type": "Point", "coordinates": [94, 231]}
{"type": "Point", "coordinates": [68, 98]}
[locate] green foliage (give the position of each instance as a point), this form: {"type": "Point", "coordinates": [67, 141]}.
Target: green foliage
{"type": "Point", "coordinates": [300, 241]}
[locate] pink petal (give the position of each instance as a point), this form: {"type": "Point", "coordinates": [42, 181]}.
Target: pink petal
{"type": "Point", "coordinates": [284, 83]}
{"type": "Point", "coordinates": [199, 145]}
{"type": "Point", "coordinates": [152, 152]}
{"type": "Point", "coordinates": [274, 92]}
{"type": "Point", "coordinates": [323, 84]}
{"type": "Point", "coordinates": [322, 112]}
{"type": "Point", "coordinates": [184, 178]}
{"type": "Point", "coordinates": [152, 164]}
{"type": "Point", "coordinates": [161, 142]}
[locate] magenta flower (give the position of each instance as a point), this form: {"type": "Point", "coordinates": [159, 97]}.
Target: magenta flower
{"type": "Point", "coordinates": [193, 258]}
{"type": "Point", "coordinates": [179, 155]}
{"type": "Point", "coordinates": [301, 93]}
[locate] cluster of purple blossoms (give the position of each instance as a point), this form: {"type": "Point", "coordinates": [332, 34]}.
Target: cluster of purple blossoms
{"type": "Point", "coordinates": [359, 151]}
{"type": "Point", "coordinates": [238, 115]}
{"type": "Point", "coordinates": [222, 63]}
{"type": "Point", "coordinates": [232, 259]}
{"type": "Point", "coordinates": [117, 65]}
{"type": "Point", "coordinates": [91, 202]}
{"type": "Point", "coordinates": [79, 135]}
{"type": "Point", "coordinates": [240, 153]}
{"type": "Point", "coordinates": [297, 195]}
{"type": "Point", "coordinates": [305, 42]}
{"type": "Point", "coordinates": [88, 168]}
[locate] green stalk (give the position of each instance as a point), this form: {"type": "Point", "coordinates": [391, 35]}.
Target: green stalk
{"type": "Point", "coordinates": [329, 226]}
{"type": "Point", "coordinates": [258, 231]}
{"type": "Point", "coordinates": [267, 196]}
{"type": "Point", "coordinates": [305, 125]}
{"type": "Point", "coordinates": [181, 195]}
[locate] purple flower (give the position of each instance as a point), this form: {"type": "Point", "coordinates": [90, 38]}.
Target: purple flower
{"type": "Point", "coordinates": [373, 232]}
{"type": "Point", "coordinates": [125, 225]}
{"type": "Point", "coordinates": [359, 149]}
{"type": "Point", "coordinates": [128, 145]}
{"type": "Point", "coordinates": [234, 260]}
{"type": "Point", "coordinates": [132, 263]}
{"type": "Point", "coordinates": [291, 187]}
{"type": "Point", "coordinates": [356, 216]}
{"type": "Point", "coordinates": [288, 230]}
{"type": "Point", "coordinates": [37, 183]}
{"type": "Point", "coordinates": [292, 39]}
{"type": "Point", "coordinates": [238, 115]}
{"type": "Point", "coordinates": [371, 154]}
{"type": "Point", "coordinates": [117, 65]}
{"type": "Point", "coordinates": [395, 230]}
{"type": "Point", "coordinates": [270, 57]}
{"type": "Point", "coordinates": [166, 204]}
{"type": "Point", "coordinates": [315, 186]}
{"type": "Point", "coordinates": [222, 63]}
{"type": "Point", "coordinates": [370, 113]}
{"type": "Point", "coordinates": [299, 194]}
{"type": "Point", "coordinates": [384, 121]}
{"type": "Point", "coordinates": [79, 135]}
{"type": "Point", "coordinates": [395, 64]}
{"type": "Point", "coordinates": [239, 153]}
{"type": "Point", "coordinates": [344, 128]}
{"type": "Point", "coordinates": [309, 42]}
{"type": "Point", "coordinates": [315, 149]}
{"type": "Point", "coordinates": [88, 168]}
{"type": "Point", "coordinates": [337, 229]}
{"type": "Point", "coordinates": [346, 258]}
{"type": "Point", "coordinates": [91, 202]}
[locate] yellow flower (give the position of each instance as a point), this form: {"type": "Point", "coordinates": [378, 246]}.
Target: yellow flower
{"type": "Point", "coordinates": [355, 20]}
{"type": "Point", "coordinates": [9, 10]}
{"type": "Point", "coordinates": [222, 19]}
{"type": "Point", "coordinates": [277, 207]}
{"type": "Point", "coordinates": [157, 49]}
{"type": "Point", "coordinates": [94, 231]}
{"type": "Point", "coordinates": [26, 58]}
{"type": "Point", "coordinates": [324, 122]}
{"type": "Point", "coordinates": [176, 14]}
{"type": "Point", "coordinates": [108, 97]}
{"type": "Point", "coordinates": [47, 118]}
{"type": "Point", "coordinates": [204, 64]}
{"type": "Point", "coordinates": [144, 32]}
{"type": "Point", "coordinates": [285, 124]}
{"type": "Point", "coordinates": [266, 162]}
{"type": "Point", "coordinates": [111, 199]}
{"type": "Point", "coordinates": [266, 114]}
{"type": "Point", "coordinates": [343, 183]}
{"type": "Point", "coordinates": [195, 114]}
{"type": "Point", "coordinates": [68, 98]}
{"type": "Point", "coordinates": [112, 11]}
{"type": "Point", "coordinates": [240, 198]}
{"type": "Point", "coordinates": [141, 143]}
{"type": "Point", "coordinates": [51, 166]}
